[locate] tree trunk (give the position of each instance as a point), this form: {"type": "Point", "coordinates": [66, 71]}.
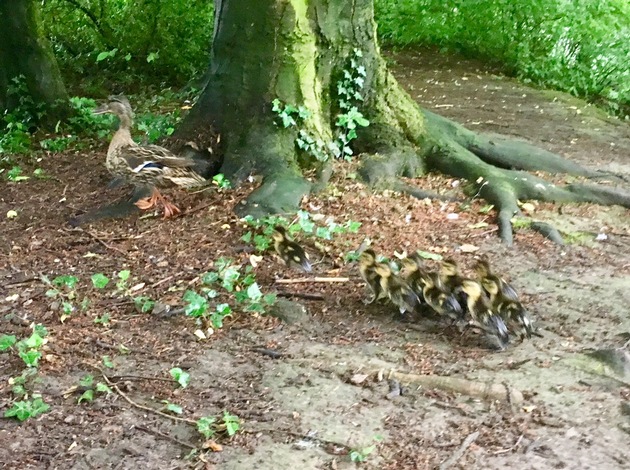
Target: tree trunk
{"type": "Point", "coordinates": [25, 51]}
{"type": "Point", "coordinates": [297, 52]}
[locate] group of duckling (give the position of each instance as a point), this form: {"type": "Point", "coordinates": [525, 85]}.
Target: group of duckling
{"type": "Point", "coordinates": [487, 302]}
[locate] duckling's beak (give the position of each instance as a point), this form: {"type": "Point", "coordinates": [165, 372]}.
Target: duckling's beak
{"type": "Point", "coordinates": [102, 109]}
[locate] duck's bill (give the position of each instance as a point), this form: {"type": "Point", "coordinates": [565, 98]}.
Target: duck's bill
{"type": "Point", "coordinates": [102, 109]}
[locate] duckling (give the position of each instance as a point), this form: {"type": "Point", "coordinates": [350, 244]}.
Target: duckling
{"type": "Point", "coordinates": [367, 269]}
{"type": "Point", "coordinates": [484, 273]}
{"type": "Point", "coordinates": [412, 274]}
{"type": "Point", "coordinates": [438, 298]}
{"type": "Point", "coordinates": [290, 252]}
{"type": "Point", "coordinates": [451, 279]}
{"type": "Point", "coordinates": [396, 289]}
{"type": "Point", "coordinates": [512, 311]}
{"type": "Point", "coordinates": [481, 312]}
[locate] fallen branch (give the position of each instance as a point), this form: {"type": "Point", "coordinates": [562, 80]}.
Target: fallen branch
{"type": "Point", "coordinates": [460, 452]}
{"type": "Point", "coordinates": [300, 295]}
{"type": "Point", "coordinates": [486, 391]}
{"type": "Point", "coordinates": [312, 280]}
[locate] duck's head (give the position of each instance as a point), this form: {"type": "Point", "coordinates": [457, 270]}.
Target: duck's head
{"type": "Point", "coordinates": [118, 105]}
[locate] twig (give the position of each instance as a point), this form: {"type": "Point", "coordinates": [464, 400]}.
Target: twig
{"type": "Point", "coordinates": [199, 208]}
{"type": "Point", "coordinates": [155, 432]}
{"type": "Point", "coordinates": [460, 452]}
{"type": "Point", "coordinates": [142, 407]}
{"type": "Point", "coordinates": [166, 279]}
{"type": "Point", "coordinates": [505, 451]}
{"type": "Point", "coordinates": [138, 377]}
{"type": "Point", "coordinates": [301, 295]}
{"type": "Point", "coordinates": [485, 232]}
{"type": "Point", "coordinates": [100, 240]}
{"type": "Point", "coordinates": [272, 353]}
{"type": "Point", "coordinates": [312, 280]}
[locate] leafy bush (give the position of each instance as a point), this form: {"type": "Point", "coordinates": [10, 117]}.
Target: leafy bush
{"type": "Point", "coordinates": [580, 47]}
{"type": "Point", "coordinates": [130, 39]}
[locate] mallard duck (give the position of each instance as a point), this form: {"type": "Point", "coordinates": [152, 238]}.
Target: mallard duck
{"type": "Point", "coordinates": [486, 276]}
{"type": "Point", "coordinates": [396, 289]}
{"type": "Point", "coordinates": [367, 269]}
{"type": "Point", "coordinates": [481, 313]}
{"type": "Point", "coordinates": [147, 165]}
{"type": "Point", "coordinates": [291, 253]}
{"type": "Point", "coordinates": [443, 302]}
{"type": "Point", "coordinates": [512, 311]}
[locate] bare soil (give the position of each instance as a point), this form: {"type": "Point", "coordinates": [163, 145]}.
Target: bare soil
{"type": "Point", "coordinates": [308, 408]}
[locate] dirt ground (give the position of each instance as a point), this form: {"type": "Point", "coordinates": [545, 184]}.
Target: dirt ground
{"type": "Point", "coordinates": [321, 397]}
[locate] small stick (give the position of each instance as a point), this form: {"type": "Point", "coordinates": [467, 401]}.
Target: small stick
{"type": "Point", "coordinates": [486, 232]}
{"type": "Point", "coordinates": [166, 279]}
{"type": "Point", "coordinates": [301, 295]}
{"type": "Point", "coordinates": [138, 377]}
{"type": "Point", "coordinates": [505, 451]}
{"type": "Point", "coordinates": [312, 280]}
{"type": "Point", "coordinates": [155, 432]}
{"type": "Point", "coordinates": [460, 452]}
{"type": "Point", "coordinates": [145, 408]}
{"type": "Point", "coordinates": [100, 240]}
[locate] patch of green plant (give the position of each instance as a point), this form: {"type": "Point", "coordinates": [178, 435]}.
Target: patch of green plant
{"type": "Point", "coordinates": [157, 126]}
{"type": "Point", "coordinates": [63, 289]}
{"type": "Point", "coordinates": [578, 47]}
{"type": "Point", "coordinates": [349, 118]}
{"type": "Point", "coordinates": [521, 222]}
{"type": "Point", "coordinates": [231, 422]}
{"type": "Point", "coordinates": [90, 389]}
{"type": "Point", "coordinates": [16, 126]}
{"type": "Point", "coordinates": [180, 376]}
{"type": "Point", "coordinates": [29, 350]}
{"type": "Point", "coordinates": [209, 426]}
{"type": "Point", "coordinates": [221, 181]}
{"type": "Point", "coordinates": [25, 409]}
{"type": "Point", "coordinates": [143, 303]}
{"type": "Point", "coordinates": [103, 319]}
{"type": "Point", "coordinates": [360, 455]}
{"type": "Point", "coordinates": [172, 407]}
{"type": "Point", "coordinates": [349, 95]}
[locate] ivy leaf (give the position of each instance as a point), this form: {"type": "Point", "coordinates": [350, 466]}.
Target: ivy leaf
{"type": "Point", "coordinates": [182, 377]}
{"type": "Point", "coordinates": [6, 341]}
{"type": "Point", "coordinates": [99, 280]}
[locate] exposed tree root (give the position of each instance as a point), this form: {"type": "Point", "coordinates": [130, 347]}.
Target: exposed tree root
{"type": "Point", "coordinates": [486, 391]}
{"type": "Point", "coordinates": [495, 169]}
{"type": "Point", "coordinates": [548, 231]}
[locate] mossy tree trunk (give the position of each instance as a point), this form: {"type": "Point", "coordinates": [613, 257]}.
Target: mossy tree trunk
{"type": "Point", "coordinates": [24, 50]}
{"type": "Point", "coordinates": [296, 51]}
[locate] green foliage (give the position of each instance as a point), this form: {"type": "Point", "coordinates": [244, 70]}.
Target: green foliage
{"type": "Point", "coordinates": [29, 350]}
{"type": "Point", "coordinates": [349, 97]}
{"type": "Point", "coordinates": [124, 41]}
{"type": "Point", "coordinates": [580, 47]}
{"type": "Point", "coordinates": [221, 181]}
{"type": "Point", "coordinates": [16, 126]}
{"type": "Point", "coordinates": [232, 423]}
{"type": "Point", "coordinates": [23, 410]}
{"type": "Point", "coordinates": [87, 383]}
{"type": "Point", "coordinates": [180, 376]}
{"type": "Point", "coordinates": [205, 426]}
{"type": "Point", "coordinates": [208, 426]}
{"type": "Point", "coordinates": [349, 118]}
{"type": "Point", "coordinates": [99, 280]}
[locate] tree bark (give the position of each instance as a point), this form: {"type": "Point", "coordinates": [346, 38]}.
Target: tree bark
{"type": "Point", "coordinates": [297, 51]}
{"type": "Point", "coordinates": [24, 51]}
